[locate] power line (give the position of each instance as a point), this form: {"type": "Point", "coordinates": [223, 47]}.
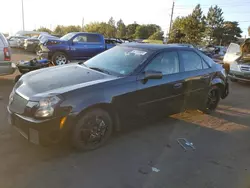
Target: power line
{"type": "Point", "coordinates": [220, 5]}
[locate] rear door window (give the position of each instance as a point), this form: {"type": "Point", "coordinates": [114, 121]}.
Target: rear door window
{"type": "Point", "coordinates": [93, 38]}
{"type": "Point", "coordinates": [191, 61]}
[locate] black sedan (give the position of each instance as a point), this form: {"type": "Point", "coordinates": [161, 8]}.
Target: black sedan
{"type": "Point", "coordinates": [88, 101]}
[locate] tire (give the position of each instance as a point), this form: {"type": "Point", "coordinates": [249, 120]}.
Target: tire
{"type": "Point", "coordinates": [215, 95]}
{"type": "Point", "coordinates": [95, 124]}
{"type": "Point", "coordinates": [233, 80]}
{"type": "Point", "coordinates": [59, 58]}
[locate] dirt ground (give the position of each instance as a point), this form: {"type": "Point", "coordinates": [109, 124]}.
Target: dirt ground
{"type": "Point", "coordinates": [221, 158]}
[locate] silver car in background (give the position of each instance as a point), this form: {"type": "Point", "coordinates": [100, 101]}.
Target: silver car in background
{"type": "Point", "coordinates": [14, 41]}
{"type": "Point", "coordinates": [6, 66]}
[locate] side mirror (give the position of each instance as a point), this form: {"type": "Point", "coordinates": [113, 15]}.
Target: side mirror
{"type": "Point", "coordinates": [152, 75]}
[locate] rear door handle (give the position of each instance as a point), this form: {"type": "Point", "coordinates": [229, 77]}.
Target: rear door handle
{"type": "Point", "coordinates": [177, 85]}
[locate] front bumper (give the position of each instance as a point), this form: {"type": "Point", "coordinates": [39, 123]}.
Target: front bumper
{"type": "Point", "coordinates": [242, 76]}
{"type": "Point", "coordinates": [41, 132]}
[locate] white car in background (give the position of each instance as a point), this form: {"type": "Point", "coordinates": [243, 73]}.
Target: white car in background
{"type": "Point", "coordinates": [238, 57]}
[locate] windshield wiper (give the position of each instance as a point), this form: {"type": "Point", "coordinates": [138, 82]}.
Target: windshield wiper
{"type": "Point", "coordinates": [100, 70]}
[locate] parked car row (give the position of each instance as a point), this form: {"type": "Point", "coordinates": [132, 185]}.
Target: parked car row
{"type": "Point", "coordinates": [88, 101]}
{"type": "Point", "coordinates": [28, 40]}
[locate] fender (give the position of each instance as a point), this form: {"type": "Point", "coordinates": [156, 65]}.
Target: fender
{"type": "Point", "coordinates": [224, 87]}
{"type": "Point", "coordinates": [217, 80]}
{"type": "Point", "coordinates": [86, 101]}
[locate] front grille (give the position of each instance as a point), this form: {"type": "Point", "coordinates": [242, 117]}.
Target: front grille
{"type": "Point", "coordinates": [17, 104]}
{"type": "Point", "coordinates": [245, 68]}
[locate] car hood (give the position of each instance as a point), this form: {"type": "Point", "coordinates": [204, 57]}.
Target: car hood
{"type": "Point", "coordinates": [30, 39]}
{"type": "Point", "coordinates": [52, 41]}
{"type": "Point", "coordinates": [58, 80]}
{"type": "Point", "coordinates": [49, 38]}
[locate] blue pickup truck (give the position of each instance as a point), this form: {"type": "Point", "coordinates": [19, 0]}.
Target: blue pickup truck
{"type": "Point", "coordinates": [73, 46]}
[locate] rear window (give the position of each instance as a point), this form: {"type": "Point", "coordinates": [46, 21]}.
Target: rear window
{"type": "Point", "coordinates": [207, 59]}
{"type": "Point", "coordinates": [93, 38]}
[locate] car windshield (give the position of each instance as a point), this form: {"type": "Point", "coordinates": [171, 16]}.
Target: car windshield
{"type": "Point", "coordinates": [118, 60]}
{"type": "Point", "coordinates": [67, 36]}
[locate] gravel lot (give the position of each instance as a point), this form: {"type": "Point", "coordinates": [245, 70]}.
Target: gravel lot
{"type": "Point", "coordinates": [221, 158]}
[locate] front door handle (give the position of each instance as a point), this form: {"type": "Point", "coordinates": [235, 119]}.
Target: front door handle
{"type": "Point", "coordinates": [177, 85]}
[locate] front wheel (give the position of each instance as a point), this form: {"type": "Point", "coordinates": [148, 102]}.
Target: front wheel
{"type": "Point", "coordinates": [212, 101]}
{"type": "Point", "coordinates": [59, 58]}
{"type": "Point", "coordinates": [92, 130]}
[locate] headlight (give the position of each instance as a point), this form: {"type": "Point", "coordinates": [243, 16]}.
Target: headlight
{"type": "Point", "coordinates": [47, 107]}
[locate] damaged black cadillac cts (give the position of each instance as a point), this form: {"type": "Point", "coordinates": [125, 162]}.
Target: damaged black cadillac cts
{"type": "Point", "coordinates": [88, 101]}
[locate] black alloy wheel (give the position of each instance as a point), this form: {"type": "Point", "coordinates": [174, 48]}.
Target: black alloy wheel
{"type": "Point", "coordinates": [92, 130]}
{"type": "Point", "coordinates": [213, 99]}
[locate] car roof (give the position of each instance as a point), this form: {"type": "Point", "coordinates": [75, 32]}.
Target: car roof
{"type": "Point", "coordinates": [85, 33]}
{"type": "Point", "coordinates": [155, 46]}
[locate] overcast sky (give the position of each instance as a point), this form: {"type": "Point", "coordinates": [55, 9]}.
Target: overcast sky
{"type": "Point", "coordinates": [49, 13]}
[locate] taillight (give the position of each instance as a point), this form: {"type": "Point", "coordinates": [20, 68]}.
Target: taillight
{"type": "Point", "coordinates": [6, 52]}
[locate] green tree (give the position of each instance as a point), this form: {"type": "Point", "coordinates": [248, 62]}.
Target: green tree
{"type": "Point", "coordinates": [100, 27]}
{"type": "Point", "coordinates": [189, 29]}
{"type": "Point", "coordinates": [111, 29]}
{"type": "Point", "coordinates": [44, 29]}
{"type": "Point", "coordinates": [131, 28]}
{"type": "Point", "coordinates": [178, 30]}
{"type": "Point", "coordinates": [121, 29]}
{"type": "Point", "coordinates": [145, 31]}
{"type": "Point", "coordinates": [59, 30]}
{"type": "Point", "coordinates": [73, 28]}
{"type": "Point", "coordinates": [141, 32]}
{"type": "Point", "coordinates": [214, 25]}
{"type": "Point", "coordinates": [153, 28]}
{"type": "Point", "coordinates": [231, 31]}
{"type": "Point", "coordinates": [62, 30]}
{"type": "Point", "coordinates": [157, 36]}
{"type": "Point", "coordinates": [249, 31]}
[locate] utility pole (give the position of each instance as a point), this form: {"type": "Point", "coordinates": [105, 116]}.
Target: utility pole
{"type": "Point", "coordinates": [171, 19]}
{"type": "Point", "coordinates": [82, 24]}
{"type": "Point", "coordinates": [23, 16]}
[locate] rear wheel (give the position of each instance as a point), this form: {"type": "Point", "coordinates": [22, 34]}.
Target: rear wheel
{"type": "Point", "coordinates": [59, 58]}
{"type": "Point", "coordinates": [212, 101]}
{"type": "Point", "coordinates": [92, 130]}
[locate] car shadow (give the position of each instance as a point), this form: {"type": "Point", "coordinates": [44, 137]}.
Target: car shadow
{"type": "Point", "coordinates": [143, 143]}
